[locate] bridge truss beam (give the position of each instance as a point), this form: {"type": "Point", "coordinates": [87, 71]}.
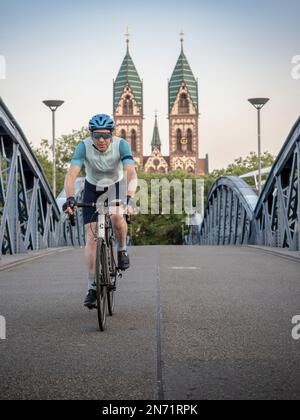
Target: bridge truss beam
{"type": "Point", "coordinates": [29, 215]}
{"type": "Point", "coordinates": [277, 214]}
{"type": "Point", "coordinates": [228, 213]}
{"type": "Point", "coordinates": [234, 215]}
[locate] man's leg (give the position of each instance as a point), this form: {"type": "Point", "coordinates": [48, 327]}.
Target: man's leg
{"type": "Point", "coordinates": [90, 255]}
{"type": "Point", "coordinates": [120, 229]}
{"type": "Point", "coordinates": [90, 247]}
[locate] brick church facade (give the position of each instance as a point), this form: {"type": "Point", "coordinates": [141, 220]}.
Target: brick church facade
{"type": "Point", "coordinates": [183, 119]}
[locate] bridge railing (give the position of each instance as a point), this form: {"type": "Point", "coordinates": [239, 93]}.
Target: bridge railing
{"type": "Point", "coordinates": [235, 215]}
{"type": "Point", "coordinates": [228, 213]}
{"type": "Point", "coordinates": [29, 215]}
{"type": "Point", "coordinates": [277, 214]}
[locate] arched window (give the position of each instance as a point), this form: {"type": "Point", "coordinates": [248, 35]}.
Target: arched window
{"type": "Point", "coordinates": [178, 139]}
{"type": "Point", "coordinates": [189, 136]}
{"type": "Point", "coordinates": [133, 141]}
{"type": "Point", "coordinates": [127, 106]}
{"type": "Point", "coordinates": [156, 162]}
{"type": "Point", "coordinates": [123, 134]}
{"type": "Point", "coordinates": [190, 170]}
{"type": "Point", "coordinates": [179, 165]}
{"type": "Point", "coordinates": [183, 106]}
{"type": "Point", "coordinates": [162, 170]}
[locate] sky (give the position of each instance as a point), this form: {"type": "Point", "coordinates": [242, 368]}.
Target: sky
{"type": "Point", "coordinates": [72, 50]}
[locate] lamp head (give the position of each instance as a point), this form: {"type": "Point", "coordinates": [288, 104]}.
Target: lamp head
{"type": "Point", "coordinates": [53, 104]}
{"type": "Point", "coordinates": [258, 103]}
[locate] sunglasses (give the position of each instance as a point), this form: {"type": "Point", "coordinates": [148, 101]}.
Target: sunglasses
{"type": "Point", "coordinates": [105, 136]}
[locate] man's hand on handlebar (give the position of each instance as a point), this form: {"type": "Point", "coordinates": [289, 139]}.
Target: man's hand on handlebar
{"type": "Point", "coordinates": [129, 210]}
{"type": "Point", "coordinates": [70, 206]}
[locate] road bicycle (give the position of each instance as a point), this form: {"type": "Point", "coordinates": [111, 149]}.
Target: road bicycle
{"type": "Point", "coordinates": [106, 269]}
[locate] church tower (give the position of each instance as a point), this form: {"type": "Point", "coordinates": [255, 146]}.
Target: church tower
{"type": "Point", "coordinates": [156, 142]}
{"type": "Point", "coordinates": [184, 119]}
{"type": "Point", "coordinates": [156, 162]}
{"type": "Point", "coordinates": [128, 106]}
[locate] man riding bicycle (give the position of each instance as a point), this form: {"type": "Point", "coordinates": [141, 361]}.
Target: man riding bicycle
{"type": "Point", "coordinates": [106, 159]}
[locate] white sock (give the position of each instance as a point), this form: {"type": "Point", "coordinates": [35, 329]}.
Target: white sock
{"type": "Point", "coordinates": [122, 248]}
{"type": "Point", "coordinates": [91, 282]}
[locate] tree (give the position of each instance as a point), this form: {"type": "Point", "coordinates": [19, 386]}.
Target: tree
{"type": "Point", "coordinates": [240, 166]}
{"type": "Point", "coordinates": [161, 229]}
{"type": "Point", "coordinates": [65, 147]}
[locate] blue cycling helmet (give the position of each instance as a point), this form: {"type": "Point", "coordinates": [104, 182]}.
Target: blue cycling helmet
{"type": "Point", "coordinates": [101, 122]}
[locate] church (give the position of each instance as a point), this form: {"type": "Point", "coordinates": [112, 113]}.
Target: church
{"type": "Point", "coordinates": [183, 115]}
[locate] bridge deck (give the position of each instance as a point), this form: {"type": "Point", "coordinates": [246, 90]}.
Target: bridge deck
{"type": "Point", "coordinates": [224, 330]}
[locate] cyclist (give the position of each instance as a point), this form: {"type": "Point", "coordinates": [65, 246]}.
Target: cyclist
{"type": "Point", "coordinates": [106, 159]}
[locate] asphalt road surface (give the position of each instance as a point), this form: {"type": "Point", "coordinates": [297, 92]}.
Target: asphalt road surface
{"type": "Point", "coordinates": [190, 323]}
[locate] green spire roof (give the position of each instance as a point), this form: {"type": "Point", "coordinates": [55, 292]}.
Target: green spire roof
{"type": "Point", "coordinates": [183, 73]}
{"type": "Point", "coordinates": [128, 75]}
{"type": "Point", "coordinates": [156, 143]}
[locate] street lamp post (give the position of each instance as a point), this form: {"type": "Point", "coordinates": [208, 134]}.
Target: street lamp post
{"type": "Point", "coordinates": [259, 103]}
{"type": "Point", "coordinates": [53, 105]}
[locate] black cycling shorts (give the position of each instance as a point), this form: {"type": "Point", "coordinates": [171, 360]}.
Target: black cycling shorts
{"type": "Point", "coordinates": [91, 195]}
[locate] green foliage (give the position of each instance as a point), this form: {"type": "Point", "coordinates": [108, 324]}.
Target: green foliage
{"type": "Point", "coordinates": [151, 229]}
{"type": "Point", "coordinates": [157, 229]}
{"type": "Point", "coordinates": [240, 166]}
{"type": "Point", "coordinates": [65, 147]}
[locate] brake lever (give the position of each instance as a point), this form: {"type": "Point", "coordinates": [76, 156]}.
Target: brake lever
{"type": "Point", "coordinates": [128, 219]}
{"type": "Point", "coordinates": [72, 220]}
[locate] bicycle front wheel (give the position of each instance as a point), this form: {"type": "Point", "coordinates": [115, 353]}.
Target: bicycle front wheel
{"type": "Point", "coordinates": [113, 279]}
{"type": "Point", "coordinates": [101, 283]}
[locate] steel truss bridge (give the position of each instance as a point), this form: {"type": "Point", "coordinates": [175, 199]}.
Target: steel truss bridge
{"type": "Point", "coordinates": [31, 217]}
{"type": "Point", "coordinates": [235, 215]}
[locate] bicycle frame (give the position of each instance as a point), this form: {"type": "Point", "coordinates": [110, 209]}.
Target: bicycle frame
{"type": "Point", "coordinates": [101, 226]}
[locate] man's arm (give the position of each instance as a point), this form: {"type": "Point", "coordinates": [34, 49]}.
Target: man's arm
{"type": "Point", "coordinates": [76, 164]}
{"type": "Point", "coordinates": [73, 172]}
{"type": "Point", "coordinates": [132, 182]}
{"type": "Point", "coordinates": [129, 167]}
{"type": "Point", "coordinates": [71, 176]}
{"type": "Point", "coordinates": [132, 179]}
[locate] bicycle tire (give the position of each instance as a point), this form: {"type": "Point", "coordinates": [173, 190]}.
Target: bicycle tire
{"type": "Point", "coordinates": [111, 298]}
{"type": "Point", "coordinates": [101, 283]}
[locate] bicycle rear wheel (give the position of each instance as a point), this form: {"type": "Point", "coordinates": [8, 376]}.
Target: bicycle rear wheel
{"type": "Point", "coordinates": [102, 280]}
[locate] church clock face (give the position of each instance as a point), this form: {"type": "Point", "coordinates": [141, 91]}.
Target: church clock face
{"type": "Point", "coordinates": [184, 141]}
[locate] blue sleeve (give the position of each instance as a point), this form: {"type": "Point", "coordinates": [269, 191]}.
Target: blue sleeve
{"type": "Point", "coordinates": [79, 155]}
{"type": "Point", "coordinates": [126, 153]}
